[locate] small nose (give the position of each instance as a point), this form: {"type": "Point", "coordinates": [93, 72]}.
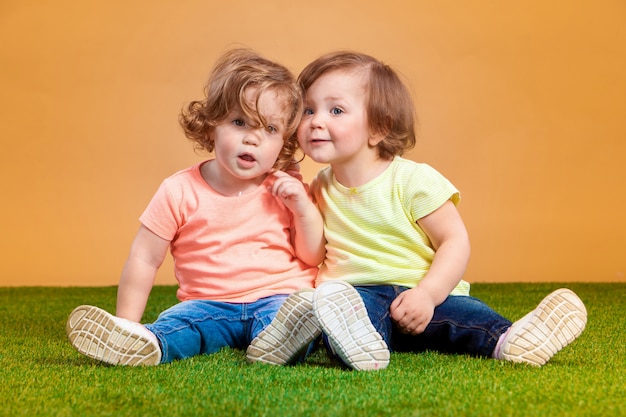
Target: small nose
{"type": "Point", "coordinates": [251, 138]}
{"type": "Point", "coordinates": [316, 120]}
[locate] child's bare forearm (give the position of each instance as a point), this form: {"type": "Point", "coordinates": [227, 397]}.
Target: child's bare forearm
{"type": "Point", "coordinates": [134, 289]}
{"type": "Point", "coordinates": [448, 235]}
{"type": "Point", "coordinates": [146, 256]}
{"type": "Point", "coordinates": [309, 235]}
{"type": "Point", "coordinates": [446, 270]}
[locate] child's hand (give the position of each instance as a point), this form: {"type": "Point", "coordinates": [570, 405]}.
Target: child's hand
{"type": "Point", "coordinates": [291, 192]}
{"type": "Point", "coordinates": [412, 311]}
{"type": "Point", "coordinates": [308, 232]}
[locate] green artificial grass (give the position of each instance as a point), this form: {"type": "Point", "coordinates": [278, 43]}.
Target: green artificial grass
{"type": "Point", "coordinates": [42, 375]}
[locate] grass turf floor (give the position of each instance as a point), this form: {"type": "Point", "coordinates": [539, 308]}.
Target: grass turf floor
{"type": "Point", "coordinates": [41, 374]}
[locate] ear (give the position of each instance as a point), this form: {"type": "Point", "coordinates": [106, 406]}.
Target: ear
{"type": "Point", "coordinates": [379, 133]}
{"type": "Point", "coordinates": [376, 137]}
{"type": "Point", "coordinates": [210, 139]}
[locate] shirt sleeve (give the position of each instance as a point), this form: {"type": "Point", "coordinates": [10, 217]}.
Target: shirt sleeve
{"type": "Point", "coordinates": [162, 216]}
{"type": "Point", "coordinates": [429, 190]}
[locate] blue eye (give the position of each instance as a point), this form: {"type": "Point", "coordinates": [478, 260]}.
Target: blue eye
{"type": "Point", "coordinates": [239, 122]}
{"type": "Point", "coordinates": [308, 112]}
{"type": "Point", "coordinates": [336, 111]}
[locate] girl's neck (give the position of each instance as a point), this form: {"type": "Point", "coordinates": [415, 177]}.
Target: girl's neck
{"type": "Point", "coordinates": [356, 174]}
{"type": "Point", "coordinates": [228, 186]}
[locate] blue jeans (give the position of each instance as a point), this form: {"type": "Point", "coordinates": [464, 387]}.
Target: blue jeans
{"type": "Point", "coordinates": [197, 327]}
{"type": "Point", "coordinates": [461, 324]}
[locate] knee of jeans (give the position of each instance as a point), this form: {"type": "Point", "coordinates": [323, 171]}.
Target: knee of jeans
{"type": "Point", "coordinates": [260, 320]}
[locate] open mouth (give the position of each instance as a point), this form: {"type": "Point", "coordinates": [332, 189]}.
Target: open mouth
{"type": "Point", "coordinates": [247, 157]}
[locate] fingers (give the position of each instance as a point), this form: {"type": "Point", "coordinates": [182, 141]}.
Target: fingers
{"type": "Point", "coordinates": [413, 328]}
{"type": "Point", "coordinates": [409, 318]}
{"type": "Point", "coordinates": [286, 186]}
{"type": "Point", "coordinates": [279, 174]}
{"type": "Point", "coordinates": [287, 173]}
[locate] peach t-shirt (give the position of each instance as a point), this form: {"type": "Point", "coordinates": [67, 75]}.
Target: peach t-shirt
{"type": "Point", "coordinates": [229, 249]}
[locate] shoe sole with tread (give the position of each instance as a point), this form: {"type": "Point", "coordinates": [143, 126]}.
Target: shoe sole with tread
{"type": "Point", "coordinates": [555, 323]}
{"type": "Point", "coordinates": [101, 336]}
{"type": "Point", "coordinates": [341, 312]}
{"type": "Point", "coordinates": [289, 334]}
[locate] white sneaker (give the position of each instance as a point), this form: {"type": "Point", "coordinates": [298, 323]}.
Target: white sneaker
{"type": "Point", "coordinates": [289, 334]}
{"type": "Point", "coordinates": [556, 322]}
{"type": "Point", "coordinates": [116, 341]}
{"type": "Point", "coordinates": [341, 312]}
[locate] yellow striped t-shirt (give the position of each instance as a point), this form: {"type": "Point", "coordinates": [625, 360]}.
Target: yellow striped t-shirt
{"type": "Point", "coordinates": [372, 233]}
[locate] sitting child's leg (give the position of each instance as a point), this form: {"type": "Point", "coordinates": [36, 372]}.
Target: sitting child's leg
{"type": "Point", "coordinates": [350, 334]}
{"type": "Point", "coordinates": [113, 340]}
{"type": "Point", "coordinates": [556, 322]}
{"type": "Point", "coordinates": [466, 325]}
{"type": "Point", "coordinates": [460, 325]}
{"type": "Point", "coordinates": [289, 335]}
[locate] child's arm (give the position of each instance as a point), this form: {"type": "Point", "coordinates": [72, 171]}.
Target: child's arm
{"type": "Point", "coordinates": [308, 238]}
{"type": "Point", "coordinates": [146, 256]}
{"type": "Point", "coordinates": [413, 309]}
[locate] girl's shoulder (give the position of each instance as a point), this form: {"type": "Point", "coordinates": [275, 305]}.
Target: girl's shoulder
{"type": "Point", "coordinates": [410, 174]}
{"type": "Point", "coordinates": [187, 177]}
{"type": "Point", "coordinates": [408, 166]}
{"type": "Point", "coordinates": [325, 174]}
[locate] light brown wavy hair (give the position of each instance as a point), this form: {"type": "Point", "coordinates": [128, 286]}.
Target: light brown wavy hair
{"type": "Point", "coordinates": [389, 106]}
{"type": "Point", "coordinates": [234, 72]}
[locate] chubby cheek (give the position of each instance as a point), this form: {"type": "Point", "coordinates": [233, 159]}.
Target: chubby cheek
{"type": "Point", "coordinates": [302, 127]}
{"type": "Point", "coordinates": [224, 152]}
{"type": "Point", "coordinates": [301, 135]}
{"type": "Point", "coordinates": [272, 154]}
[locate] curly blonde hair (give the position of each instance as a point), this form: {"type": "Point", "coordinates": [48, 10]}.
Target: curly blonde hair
{"type": "Point", "coordinates": [389, 105]}
{"type": "Point", "coordinates": [236, 71]}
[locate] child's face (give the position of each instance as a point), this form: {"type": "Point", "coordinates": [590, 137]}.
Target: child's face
{"type": "Point", "coordinates": [334, 127]}
{"type": "Point", "coordinates": [244, 151]}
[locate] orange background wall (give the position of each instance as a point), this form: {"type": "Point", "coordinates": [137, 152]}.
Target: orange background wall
{"type": "Point", "coordinates": [521, 104]}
